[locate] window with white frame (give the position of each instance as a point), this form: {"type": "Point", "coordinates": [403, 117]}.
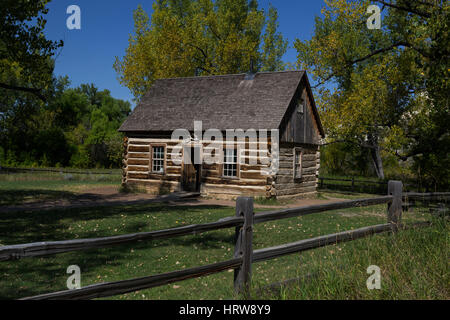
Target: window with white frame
{"type": "Point", "coordinates": [158, 159]}
{"type": "Point", "coordinates": [297, 163]}
{"type": "Point", "coordinates": [230, 163]}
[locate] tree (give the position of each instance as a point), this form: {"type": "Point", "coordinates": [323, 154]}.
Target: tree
{"type": "Point", "coordinates": [381, 76]}
{"type": "Point", "coordinates": [274, 46]}
{"type": "Point", "coordinates": [200, 37]}
{"type": "Point", "coordinates": [25, 53]}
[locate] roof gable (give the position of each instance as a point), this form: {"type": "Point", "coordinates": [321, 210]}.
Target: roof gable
{"type": "Point", "coordinates": [220, 102]}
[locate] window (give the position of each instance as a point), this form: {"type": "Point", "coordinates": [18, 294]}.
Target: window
{"type": "Point", "coordinates": [297, 163]}
{"type": "Point", "coordinates": [301, 106]}
{"type": "Point", "coordinates": [158, 159]}
{"type": "Point", "coordinates": [230, 167]}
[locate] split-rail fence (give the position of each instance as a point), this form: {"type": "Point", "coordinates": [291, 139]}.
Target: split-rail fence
{"type": "Point", "coordinates": [244, 255]}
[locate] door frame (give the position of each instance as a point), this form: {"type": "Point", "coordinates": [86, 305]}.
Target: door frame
{"type": "Point", "coordinates": [197, 168]}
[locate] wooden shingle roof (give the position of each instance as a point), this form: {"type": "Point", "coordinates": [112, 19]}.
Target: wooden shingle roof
{"type": "Point", "coordinates": [220, 102]}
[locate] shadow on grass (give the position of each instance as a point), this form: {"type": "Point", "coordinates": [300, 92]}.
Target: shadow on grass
{"type": "Point", "coordinates": [38, 275]}
{"type": "Point", "coordinates": [31, 226]}
{"type": "Point", "coordinates": [33, 276]}
{"type": "Point", "coordinates": [14, 197]}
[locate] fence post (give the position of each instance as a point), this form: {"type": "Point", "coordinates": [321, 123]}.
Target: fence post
{"type": "Point", "coordinates": [243, 247]}
{"type": "Point", "coordinates": [395, 189]}
{"type": "Point", "coordinates": [353, 184]}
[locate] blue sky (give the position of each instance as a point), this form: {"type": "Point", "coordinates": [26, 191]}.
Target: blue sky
{"type": "Point", "coordinates": [88, 54]}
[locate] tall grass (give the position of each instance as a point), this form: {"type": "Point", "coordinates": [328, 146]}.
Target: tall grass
{"type": "Point", "coordinates": [413, 263]}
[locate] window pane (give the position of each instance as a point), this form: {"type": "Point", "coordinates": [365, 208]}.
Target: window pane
{"type": "Point", "coordinates": [298, 164]}
{"type": "Point", "coordinates": [230, 163]}
{"type": "Point", "coordinates": [158, 159]}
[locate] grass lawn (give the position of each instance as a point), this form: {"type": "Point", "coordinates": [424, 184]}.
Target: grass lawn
{"type": "Point", "coordinates": [18, 188]}
{"type": "Point", "coordinates": [414, 263]}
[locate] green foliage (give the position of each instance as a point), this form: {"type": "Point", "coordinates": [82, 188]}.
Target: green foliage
{"type": "Point", "coordinates": [274, 45]}
{"type": "Point", "coordinates": [390, 92]}
{"type": "Point", "coordinates": [25, 53]}
{"type": "Point", "coordinates": [344, 159]}
{"type": "Point", "coordinates": [76, 127]}
{"type": "Point", "coordinates": [203, 37]}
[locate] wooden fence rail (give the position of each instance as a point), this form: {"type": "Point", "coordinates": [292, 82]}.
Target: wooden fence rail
{"type": "Point", "coordinates": [355, 184]}
{"type": "Point", "coordinates": [36, 249]}
{"type": "Point", "coordinates": [108, 289]}
{"type": "Point", "coordinates": [430, 196]}
{"type": "Point", "coordinates": [244, 255]}
{"type": "Point", "coordinates": [12, 252]}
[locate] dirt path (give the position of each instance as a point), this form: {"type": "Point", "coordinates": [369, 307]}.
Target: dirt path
{"type": "Point", "coordinates": [109, 196]}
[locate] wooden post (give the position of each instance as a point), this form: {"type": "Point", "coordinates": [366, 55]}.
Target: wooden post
{"type": "Point", "coordinates": [395, 189]}
{"type": "Point", "coordinates": [243, 247]}
{"type": "Point", "coordinates": [353, 184]}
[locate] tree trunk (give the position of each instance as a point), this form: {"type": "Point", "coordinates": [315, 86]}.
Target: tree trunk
{"type": "Point", "coordinates": [375, 154]}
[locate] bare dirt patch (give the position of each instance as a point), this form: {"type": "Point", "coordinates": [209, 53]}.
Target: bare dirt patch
{"type": "Point", "coordinates": [110, 195]}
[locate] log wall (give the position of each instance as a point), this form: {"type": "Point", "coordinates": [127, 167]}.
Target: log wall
{"type": "Point", "coordinates": [137, 166]}
{"type": "Point", "coordinates": [284, 184]}
{"type": "Point", "coordinates": [251, 180]}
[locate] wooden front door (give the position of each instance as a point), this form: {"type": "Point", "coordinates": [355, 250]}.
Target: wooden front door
{"type": "Point", "coordinates": [190, 180]}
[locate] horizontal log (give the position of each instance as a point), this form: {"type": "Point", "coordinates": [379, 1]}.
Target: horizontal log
{"type": "Point", "coordinates": [248, 167]}
{"type": "Point", "coordinates": [135, 175]}
{"type": "Point", "coordinates": [108, 289]}
{"type": "Point", "coordinates": [301, 211]}
{"type": "Point", "coordinates": [311, 170]}
{"type": "Point", "coordinates": [300, 186]}
{"type": "Point", "coordinates": [152, 176]}
{"type": "Point", "coordinates": [256, 174]}
{"type": "Point", "coordinates": [232, 189]}
{"type": "Point", "coordinates": [136, 148]}
{"type": "Point", "coordinates": [289, 178]}
{"type": "Point", "coordinates": [286, 164]}
{"type": "Point", "coordinates": [138, 142]}
{"type": "Point", "coordinates": [35, 249]}
{"type": "Point", "coordinates": [137, 168]}
{"type": "Point", "coordinates": [138, 155]}
{"type": "Point", "coordinates": [285, 172]}
{"type": "Point", "coordinates": [235, 182]}
{"type": "Point", "coordinates": [309, 157]}
{"type": "Point", "coordinates": [139, 162]}
{"type": "Point", "coordinates": [309, 164]}
{"type": "Point", "coordinates": [173, 170]}
{"type": "Point", "coordinates": [284, 179]}
{"type": "Point", "coordinates": [164, 177]}
{"type": "Point", "coordinates": [283, 158]}
{"type": "Point", "coordinates": [296, 191]}
{"type": "Point", "coordinates": [212, 167]}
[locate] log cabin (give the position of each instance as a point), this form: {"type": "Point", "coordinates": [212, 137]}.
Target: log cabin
{"type": "Point", "coordinates": [181, 121]}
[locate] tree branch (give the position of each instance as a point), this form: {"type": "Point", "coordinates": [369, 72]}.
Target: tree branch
{"type": "Point", "coordinates": [374, 53]}
{"type": "Point", "coordinates": [360, 144]}
{"type": "Point", "coordinates": [34, 91]}
{"type": "Point", "coordinates": [407, 9]}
